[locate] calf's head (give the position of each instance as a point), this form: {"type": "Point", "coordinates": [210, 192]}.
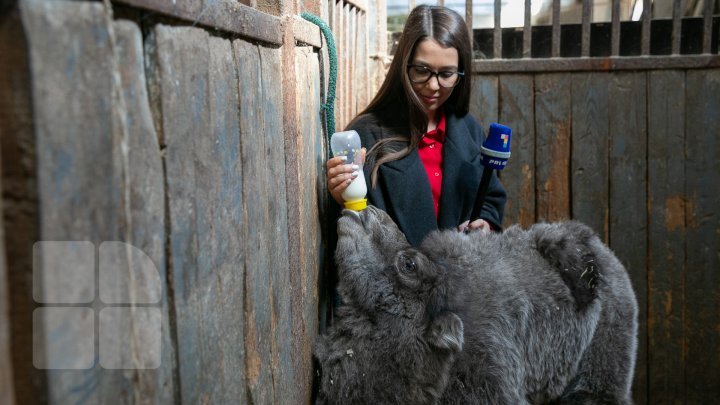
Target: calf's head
{"type": "Point", "coordinates": [394, 313]}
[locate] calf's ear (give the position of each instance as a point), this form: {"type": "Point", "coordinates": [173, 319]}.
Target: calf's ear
{"type": "Point", "coordinates": [446, 332]}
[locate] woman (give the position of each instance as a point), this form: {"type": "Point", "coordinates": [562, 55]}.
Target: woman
{"type": "Point", "coordinates": [423, 167]}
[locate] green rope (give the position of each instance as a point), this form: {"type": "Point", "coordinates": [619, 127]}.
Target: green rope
{"type": "Point", "coordinates": [329, 106]}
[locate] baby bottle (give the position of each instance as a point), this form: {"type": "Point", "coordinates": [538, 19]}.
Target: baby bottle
{"type": "Point", "coordinates": [347, 144]}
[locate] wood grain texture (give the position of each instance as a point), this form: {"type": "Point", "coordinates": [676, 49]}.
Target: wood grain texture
{"type": "Point", "coordinates": [553, 123]}
{"type": "Point", "coordinates": [516, 111]}
{"type": "Point", "coordinates": [226, 15]}
{"type": "Point", "coordinates": [338, 30]}
{"type": "Point", "coordinates": [628, 198]}
{"type": "Point", "coordinates": [277, 228]}
{"type": "Point", "coordinates": [352, 34]}
{"type": "Point", "coordinates": [78, 199]}
{"type": "Point", "coordinates": [181, 120]}
{"type": "Point", "coordinates": [203, 177]}
{"type": "Point", "coordinates": [666, 237]}
{"type": "Point", "coordinates": [484, 100]}
{"type": "Point", "coordinates": [362, 76]}
{"type": "Point", "coordinates": [589, 162]}
{"type": "Point", "coordinates": [312, 193]}
{"type": "Point", "coordinates": [220, 205]}
{"type": "Point", "coordinates": [140, 164]}
{"type": "Point", "coordinates": [7, 391]}
{"type": "Point", "coordinates": [702, 292]}
{"type": "Point", "coordinates": [377, 43]}
{"type": "Point", "coordinates": [19, 193]}
{"type": "Point", "coordinates": [256, 194]}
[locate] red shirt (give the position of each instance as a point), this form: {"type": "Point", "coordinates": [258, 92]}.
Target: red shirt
{"type": "Point", "coordinates": [430, 151]}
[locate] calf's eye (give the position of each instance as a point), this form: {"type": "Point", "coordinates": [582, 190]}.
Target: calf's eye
{"type": "Point", "coordinates": [407, 264]}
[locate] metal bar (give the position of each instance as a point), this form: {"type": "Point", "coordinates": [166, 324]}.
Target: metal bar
{"type": "Point", "coordinates": [224, 15]}
{"type": "Point", "coordinates": [469, 20]}
{"type": "Point", "coordinates": [645, 35]}
{"type": "Point", "coordinates": [596, 64]}
{"type": "Point", "coordinates": [441, 3]}
{"type": "Point", "coordinates": [497, 32]}
{"type": "Point", "coordinates": [556, 29]}
{"type": "Point", "coordinates": [707, 25]}
{"type": "Point", "coordinates": [527, 32]}
{"type": "Point", "coordinates": [411, 5]}
{"type": "Point", "coordinates": [677, 25]}
{"type": "Point", "coordinates": [586, 17]}
{"type": "Point", "coordinates": [615, 33]}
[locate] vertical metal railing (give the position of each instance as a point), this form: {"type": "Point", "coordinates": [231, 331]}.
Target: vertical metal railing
{"type": "Point", "coordinates": [592, 16]}
{"type": "Point", "coordinates": [676, 30]}
{"type": "Point", "coordinates": [469, 20]}
{"type": "Point", "coordinates": [618, 11]}
{"type": "Point", "coordinates": [707, 25]}
{"type": "Point", "coordinates": [645, 35]}
{"type": "Point", "coordinates": [615, 30]}
{"type": "Point", "coordinates": [497, 31]}
{"type": "Point", "coordinates": [527, 30]}
{"type": "Point", "coordinates": [585, 36]}
{"type": "Point", "coordinates": [556, 29]}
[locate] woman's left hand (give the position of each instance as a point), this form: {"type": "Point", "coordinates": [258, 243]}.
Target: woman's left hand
{"type": "Point", "coordinates": [477, 225]}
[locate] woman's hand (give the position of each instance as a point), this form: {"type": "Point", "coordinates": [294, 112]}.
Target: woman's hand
{"type": "Point", "coordinates": [340, 175]}
{"type": "Point", "coordinates": [477, 225]}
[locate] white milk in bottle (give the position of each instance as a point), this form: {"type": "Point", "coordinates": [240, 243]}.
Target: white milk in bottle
{"type": "Point", "coordinates": [347, 144]}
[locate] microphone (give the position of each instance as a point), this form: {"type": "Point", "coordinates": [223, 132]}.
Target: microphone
{"type": "Point", "coordinates": [495, 152]}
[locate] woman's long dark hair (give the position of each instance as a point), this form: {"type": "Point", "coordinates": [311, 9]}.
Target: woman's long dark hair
{"type": "Point", "coordinates": [396, 106]}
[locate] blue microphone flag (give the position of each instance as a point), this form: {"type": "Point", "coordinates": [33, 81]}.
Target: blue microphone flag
{"type": "Point", "coordinates": [495, 150]}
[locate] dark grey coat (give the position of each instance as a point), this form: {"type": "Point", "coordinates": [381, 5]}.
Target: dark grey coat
{"type": "Point", "coordinates": [403, 190]}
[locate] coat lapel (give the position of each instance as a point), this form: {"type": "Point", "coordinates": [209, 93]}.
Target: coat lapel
{"type": "Point", "coordinates": [410, 196]}
{"type": "Point", "coordinates": [461, 174]}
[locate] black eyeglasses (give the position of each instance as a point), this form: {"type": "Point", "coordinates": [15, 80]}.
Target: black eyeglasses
{"type": "Point", "coordinates": [420, 74]}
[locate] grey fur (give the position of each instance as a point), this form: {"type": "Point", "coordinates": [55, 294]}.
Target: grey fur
{"type": "Point", "coordinates": [473, 319]}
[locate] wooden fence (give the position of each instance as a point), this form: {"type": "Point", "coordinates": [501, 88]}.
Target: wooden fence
{"type": "Point", "coordinates": [622, 132]}
{"type": "Point", "coordinates": [193, 133]}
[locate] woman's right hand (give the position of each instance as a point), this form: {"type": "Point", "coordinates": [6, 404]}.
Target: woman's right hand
{"type": "Point", "coordinates": [340, 175]}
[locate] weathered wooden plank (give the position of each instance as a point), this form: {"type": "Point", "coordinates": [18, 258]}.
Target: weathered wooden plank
{"type": "Point", "coordinates": [171, 54]}
{"type": "Point", "coordinates": [226, 15]}
{"type": "Point", "coordinates": [71, 67]}
{"type": "Point", "coordinates": [306, 32]}
{"type": "Point", "coordinates": [256, 194]}
{"type": "Point", "coordinates": [182, 115]}
{"type": "Point", "coordinates": [666, 236]}
{"type": "Point", "coordinates": [143, 189]}
{"type": "Point", "coordinates": [201, 133]}
{"type": "Point", "coordinates": [589, 162]}
{"type": "Point", "coordinates": [484, 100]}
{"type": "Point", "coordinates": [628, 198]}
{"type": "Point", "coordinates": [7, 392]}
{"type": "Point", "coordinates": [309, 144]}
{"type": "Point", "coordinates": [516, 111]}
{"type": "Point", "coordinates": [362, 84]}
{"type": "Point", "coordinates": [19, 193]}
{"type": "Point", "coordinates": [553, 123]}
{"type": "Point", "coordinates": [220, 225]}
{"type": "Point", "coordinates": [277, 229]}
{"type": "Point", "coordinates": [377, 29]}
{"type": "Point", "coordinates": [290, 158]}
{"type": "Point", "coordinates": [352, 61]}
{"type": "Point", "coordinates": [332, 16]}
{"type": "Point", "coordinates": [339, 32]}
{"type": "Point", "coordinates": [702, 292]}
